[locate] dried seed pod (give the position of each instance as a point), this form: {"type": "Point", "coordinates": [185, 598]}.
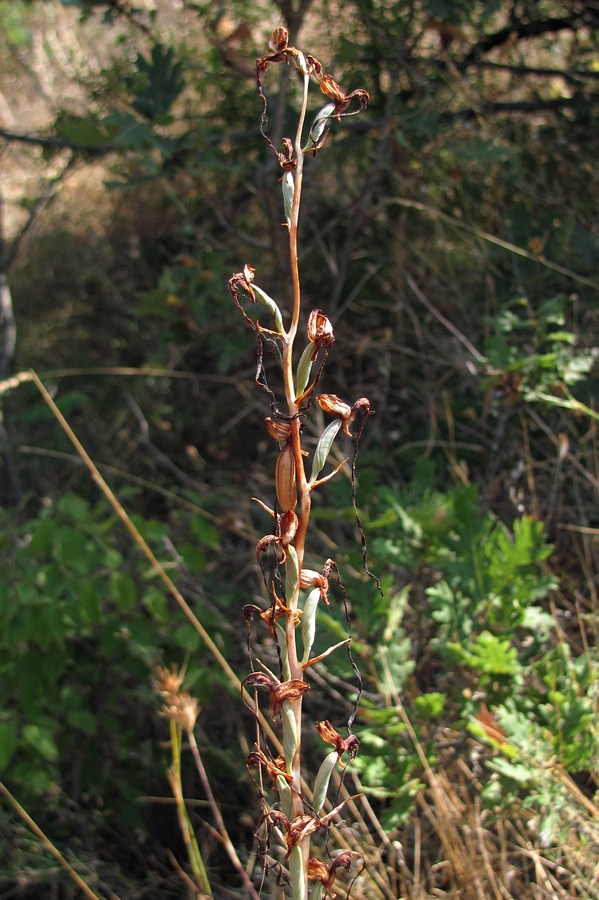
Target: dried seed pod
{"type": "Point", "coordinates": [288, 523]}
{"type": "Point", "coordinates": [285, 479]}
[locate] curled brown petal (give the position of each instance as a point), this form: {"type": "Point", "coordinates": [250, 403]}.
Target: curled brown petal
{"type": "Point", "coordinates": [280, 431]}
{"type": "Point", "coordinates": [317, 869]}
{"type": "Point", "coordinates": [278, 40]}
{"type": "Point", "coordinates": [300, 828]}
{"type": "Point", "coordinates": [265, 543]}
{"type": "Point", "coordinates": [274, 768]}
{"type": "Point", "coordinates": [331, 403]}
{"type": "Point", "coordinates": [331, 89]}
{"type": "Point", "coordinates": [349, 745]}
{"type": "Point", "coordinates": [289, 690]}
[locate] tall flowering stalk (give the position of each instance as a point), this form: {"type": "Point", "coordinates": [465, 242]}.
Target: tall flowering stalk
{"type": "Point", "coordinates": [294, 591]}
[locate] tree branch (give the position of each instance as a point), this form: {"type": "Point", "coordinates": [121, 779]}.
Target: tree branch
{"type": "Point", "coordinates": [586, 18]}
{"type": "Point", "coordinates": [54, 143]}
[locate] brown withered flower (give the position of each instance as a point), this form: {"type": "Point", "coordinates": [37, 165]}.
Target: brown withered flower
{"type": "Point", "coordinates": [330, 403]}
{"type": "Point", "coordinates": [310, 578]}
{"type": "Point", "coordinates": [279, 691]}
{"type": "Point", "coordinates": [320, 331]}
{"type": "Point", "coordinates": [243, 280]}
{"type": "Point", "coordinates": [280, 51]}
{"type": "Point", "coordinates": [278, 41]}
{"type": "Point", "coordinates": [274, 768]}
{"type": "Point", "coordinates": [319, 871]}
{"type": "Point", "coordinates": [349, 745]}
{"type": "Point", "coordinates": [300, 828]}
{"type": "Point", "coordinates": [287, 524]}
{"type": "Point", "coordinates": [288, 690]}
{"type": "Point", "coordinates": [269, 616]}
{"type": "Point", "coordinates": [331, 89]}
{"type": "Point", "coordinates": [280, 431]}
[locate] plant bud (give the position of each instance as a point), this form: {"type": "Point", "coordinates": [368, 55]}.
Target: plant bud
{"type": "Point", "coordinates": [285, 479]}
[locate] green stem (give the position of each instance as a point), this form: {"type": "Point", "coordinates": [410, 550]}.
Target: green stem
{"type": "Point", "coordinates": [194, 853]}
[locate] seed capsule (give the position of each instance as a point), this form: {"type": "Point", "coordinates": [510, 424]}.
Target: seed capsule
{"type": "Point", "coordinates": [285, 479]}
{"type": "Point", "coordinates": [288, 523]}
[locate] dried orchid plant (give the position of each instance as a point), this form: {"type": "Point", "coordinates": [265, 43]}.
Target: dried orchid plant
{"type": "Point", "coordinates": [294, 592]}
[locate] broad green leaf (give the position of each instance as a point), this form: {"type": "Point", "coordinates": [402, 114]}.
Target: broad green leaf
{"type": "Point", "coordinates": [41, 740]}
{"type": "Point", "coordinates": [73, 506]}
{"type": "Point", "coordinates": [84, 720]}
{"type": "Point", "coordinates": [156, 603]}
{"type": "Point", "coordinates": [205, 532]}
{"type": "Point", "coordinates": [123, 591]}
{"type": "Point", "coordinates": [8, 742]}
{"type": "Point", "coordinates": [192, 556]}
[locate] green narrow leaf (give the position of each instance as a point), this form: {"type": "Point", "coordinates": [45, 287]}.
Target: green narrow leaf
{"type": "Point", "coordinates": [289, 734]}
{"type": "Point", "coordinates": [291, 571]}
{"type": "Point", "coordinates": [309, 622]}
{"type": "Point", "coordinates": [286, 796]}
{"type": "Point", "coordinates": [285, 671]}
{"type": "Point", "coordinates": [319, 128]}
{"type": "Point", "coordinates": [297, 874]}
{"type": "Point", "coordinates": [271, 305]}
{"type": "Point", "coordinates": [323, 448]}
{"type": "Point", "coordinates": [288, 186]}
{"type": "Point", "coordinates": [304, 368]}
{"type": "Point", "coordinates": [321, 782]}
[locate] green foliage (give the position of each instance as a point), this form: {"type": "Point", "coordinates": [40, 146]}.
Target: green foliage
{"type": "Point", "coordinates": [156, 84]}
{"type": "Point", "coordinates": [82, 627]}
{"type": "Point", "coordinates": [485, 598]}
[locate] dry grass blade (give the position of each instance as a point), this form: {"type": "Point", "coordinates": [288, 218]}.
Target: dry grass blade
{"type": "Point", "coordinates": [49, 845]}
